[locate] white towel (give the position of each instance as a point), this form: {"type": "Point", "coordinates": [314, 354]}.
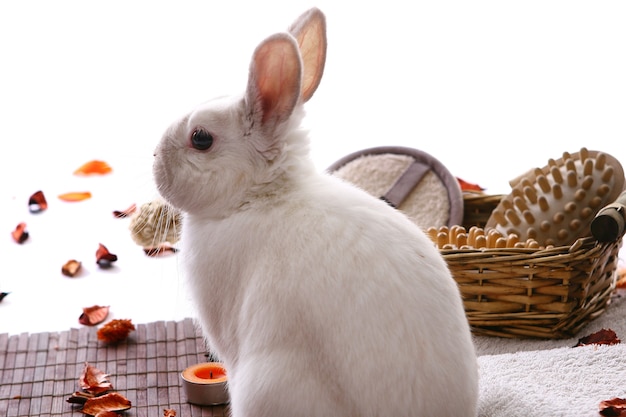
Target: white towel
{"type": "Point", "coordinates": [528, 378]}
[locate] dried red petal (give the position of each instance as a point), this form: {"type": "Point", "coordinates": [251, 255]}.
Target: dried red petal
{"type": "Point", "coordinates": [20, 234]}
{"type": "Point", "coordinates": [613, 408]}
{"type": "Point", "coordinates": [120, 214]}
{"type": "Point", "coordinates": [601, 337]}
{"type": "Point", "coordinates": [37, 202]}
{"type": "Point", "coordinates": [104, 258]}
{"type": "Point", "coordinates": [115, 331]}
{"type": "Point", "coordinates": [94, 381]}
{"type": "Point", "coordinates": [468, 186]}
{"type": "Point", "coordinates": [94, 167]}
{"type": "Point", "coordinates": [107, 414]}
{"type": "Point", "coordinates": [71, 268]}
{"type": "Point", "coordinates": [75, 196]}
{"type": "Point", "coordinates": [160, 250]}
{"type": "Point", "coordinates": [621, 279]}
{"type": "Point", "coordinates": [93, 315]}
{"type": "Point", "coordinates": [79, 397]}
{"type": "Point", "coordinates": [112, 401]}
{"type": "Point", "coordinates": [169, 412]}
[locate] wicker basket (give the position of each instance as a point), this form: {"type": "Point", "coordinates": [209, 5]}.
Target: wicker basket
{"type": "Point", "coordinates": [531, 293]}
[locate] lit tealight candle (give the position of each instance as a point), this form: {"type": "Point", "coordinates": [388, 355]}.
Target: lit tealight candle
{"type": "Point", "coordinates": [205, 384]}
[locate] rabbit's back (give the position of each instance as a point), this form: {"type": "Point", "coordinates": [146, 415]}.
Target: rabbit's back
{"type": "Point", "coordinates": [343, 297]}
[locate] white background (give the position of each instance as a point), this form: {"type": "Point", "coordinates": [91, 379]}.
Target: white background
{"type": "Point", "coordinates": [490, 88]}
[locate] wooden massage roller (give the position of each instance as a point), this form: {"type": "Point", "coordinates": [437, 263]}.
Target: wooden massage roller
{"type": "Point", "coordinates": [458, 237]}
{"type": "Point", "coordinates": [555, 205]}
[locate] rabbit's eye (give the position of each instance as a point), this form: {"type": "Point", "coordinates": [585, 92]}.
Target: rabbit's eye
{"type": "Point", "coordinates": [201, 140]}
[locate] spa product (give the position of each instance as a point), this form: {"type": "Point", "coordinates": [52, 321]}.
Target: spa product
{"type": "Point", "coordinates": [555, 205]}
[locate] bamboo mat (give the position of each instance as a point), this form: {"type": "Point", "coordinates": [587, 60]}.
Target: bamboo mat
{"type": "Point", "coordinates": [39, 371]}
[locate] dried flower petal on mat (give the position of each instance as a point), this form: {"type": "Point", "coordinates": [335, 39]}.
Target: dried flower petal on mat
{"type": "Point", "coordinates": [115, 331]}
{"type": "Point", "coordinates": [94, 381]}
{"type": "Point", "coordinates": [613, 408]}
{"type": "Point", "coordinates": [71, 268]}
{"type": "Point", "coordinates": [120, 214]}
{"type": "Point", "coordinates": [20, 234]}
{"type": "Point", "coordinates": [107, 414]}
{"type": "Point", "coordinates": [37, 202]}
{"type": "Point", "coordinates": [104, 258]}
{"type": "Point", "coordinates": [75, 196]}
{"type": "Point", "coordinates": [168, 412]}
{"type": "Point", "coordinates": [79, 397]}
{"type": "Point", "coordinates": [112, 401]}
{"type": "Point", "coordinates": [93, 315]}
{"type": "Point", "coordinates": [94, 167]}
{"type": "Point", "coordinates": [601, 337]}
{"type": "Point", "coordinates": [2, 295]}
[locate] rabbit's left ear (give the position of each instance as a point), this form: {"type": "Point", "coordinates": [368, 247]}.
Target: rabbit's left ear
{"type": "Point", "coordinates": [274, 80]}
{"type": "Point", "coordinates": [310, 31]}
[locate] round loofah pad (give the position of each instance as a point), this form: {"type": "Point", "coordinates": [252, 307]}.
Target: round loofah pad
{"type": "Point", "coordinates": [411, 180]}
{"type": "Point", "coordinates": [555, 204]}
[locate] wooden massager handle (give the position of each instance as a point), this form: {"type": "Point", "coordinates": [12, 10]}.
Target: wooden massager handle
{"type": "Point", "coordinates": [610, 222]}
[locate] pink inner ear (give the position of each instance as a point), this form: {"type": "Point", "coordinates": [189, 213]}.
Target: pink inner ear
{"type": "Point", "coordinates": [310, 31]}
{"type": "Point", "coordinates": [277, 73]}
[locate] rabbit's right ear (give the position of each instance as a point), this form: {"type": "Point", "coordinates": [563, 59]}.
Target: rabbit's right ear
{"type": "Point", "coordinates": [310, 31]}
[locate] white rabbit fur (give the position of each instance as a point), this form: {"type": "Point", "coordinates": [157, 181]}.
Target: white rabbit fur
{"type": "Point", "coordinates": [319, 298]}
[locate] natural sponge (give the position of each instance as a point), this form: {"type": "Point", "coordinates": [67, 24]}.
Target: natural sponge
{"type": "Point", "coordinates": [155, 223]}
{"type": "Point", "coordinates": [555, 204]}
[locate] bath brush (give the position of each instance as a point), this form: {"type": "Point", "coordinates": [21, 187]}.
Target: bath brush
{"type": "Point", "coordinates": [556, 204]}
{"type": "Point", "coordinates": [410, 180]}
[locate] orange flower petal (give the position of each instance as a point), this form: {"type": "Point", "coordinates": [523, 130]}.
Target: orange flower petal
{"type": "Point", "coordinates": [75, 196]}
{"type": "Point", "coordinates": [93, 315]}
{"type": "Point", "coordinates": [94, 167]}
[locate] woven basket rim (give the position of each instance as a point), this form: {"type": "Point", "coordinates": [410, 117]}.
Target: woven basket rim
{"type": "Point", "coordinates": [580, 246]}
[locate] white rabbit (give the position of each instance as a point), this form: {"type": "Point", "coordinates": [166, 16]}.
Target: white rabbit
{"type": "Point", "coordinates": [319, 299]}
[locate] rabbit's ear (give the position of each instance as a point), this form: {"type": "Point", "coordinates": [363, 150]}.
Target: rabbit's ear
{"type": "Point", "coordinates": [310, 32]}
{"type": "Point", "coordinates": [274, 80]}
